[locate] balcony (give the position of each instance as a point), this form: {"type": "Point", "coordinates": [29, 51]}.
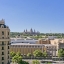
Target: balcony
{"type": "Point", "coordinates": [4, 39]}
{"type": "Point", "coordinates": [9, 44]}
{"type": "Point", "coordinates": [2, 44]}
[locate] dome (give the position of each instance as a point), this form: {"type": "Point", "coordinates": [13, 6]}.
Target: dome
{"type": "Point", "coordinates": [3, 26]}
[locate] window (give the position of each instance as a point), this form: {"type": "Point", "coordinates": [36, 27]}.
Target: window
{"type": "Point", "coordinates": [8, 33]}
{"type": "Point", "coordinates": [2, 43]}
{"type": "Point", "coordinates": [26, 46]}
{"type": "Point", "coordinates": [2, 32]}
{"type": "Point", "coordinates": [2, 58]}
{"type": "Point", "coordinates": [2, 62]}
{"type": "Point", "coordinates": [8, 57]}
{"type": "Point", "coordinates": [8, 62]}
{"type": "Point", "coordinates": [38, 46]}
{"type": "Point", "coordinates": [47, 47]}
{"type": "Point", "coordinates": [2, 37]}
{"type": "Point", "coordinates": [35, 46]}
{"type": "Point", "coordinates": [2, 26]}
{"type": "Point", "coordinates": [8, 52]}
{"type": "Point", "coordinates": [2, 53]}
{"type": "Point", "coordinates": [13, 45]}
{"type": "Point", "coordinates": [8, 37]}
{"type": "Point", "coordinates": [2, 48]}
{"type": "Point", "coordinates": [21, 46]}
{"type": "Point", "coordinates": [8, 47]}
{"type": "Point", "coordinates": [8, 42]}
{"type": "Point", "coordinates": [18, 45]}
{"type": "Point", "coordinates": [29, 46]}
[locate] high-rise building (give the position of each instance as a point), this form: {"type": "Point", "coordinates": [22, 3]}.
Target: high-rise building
{"type": "Point", "coordinates": [4, 43]}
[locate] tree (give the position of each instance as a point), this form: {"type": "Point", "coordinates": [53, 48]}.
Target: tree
{"type": "Point", "coordinates": [17, 59]}
{"type": "Point", "coordinates": [61, 53]}
{"type": "Point", "coordinates": [12, 54]}
{"type": "Point", "coordinates": [44, 54]}
{"type": "Point", "coordinates": [18, 53]}
{"type": "Point", "coordinates": [29, 54]}
{"type": "Point", "coordinates": [35, 62]}
{"type": "Point", "coordinates": [24, 62]}
{"type": "Point", "coordinates": [37, 53]}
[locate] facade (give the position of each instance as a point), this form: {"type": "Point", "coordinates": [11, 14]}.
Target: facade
{"type": "Point", "coordinates": [4, 43]}
{"type": "Point", "coordinates": [50, 46]}
{"type": "Point", "coordinates": [43, 41]}
{"type": "Point", "coordinates": [51, 49]}
{"type": "Point", "coordinates": [59, 43]}
{"type": "Point", "coordinates": [25, 48]}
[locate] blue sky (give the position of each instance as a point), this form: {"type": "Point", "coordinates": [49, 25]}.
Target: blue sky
{"type": "Point", "coordinates": [41, 15]}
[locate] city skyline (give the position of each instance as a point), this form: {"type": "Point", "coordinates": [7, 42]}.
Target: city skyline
{"type": "Point", "coordinates": [42, 15]}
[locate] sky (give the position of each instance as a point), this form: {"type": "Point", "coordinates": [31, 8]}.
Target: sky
{"type": "Point", "coordinates": [42, 15]}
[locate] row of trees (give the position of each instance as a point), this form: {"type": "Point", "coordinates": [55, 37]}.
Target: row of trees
{"type": "Point", "coordinates": [36, 53]}
{"type": "Point", "coordinates": [59, 35]}
{"type": "Point", "coordinates": [17, 58]}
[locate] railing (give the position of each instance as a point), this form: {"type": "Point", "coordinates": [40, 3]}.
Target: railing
{"type": "Point", "coordinates": [4, 38]}
{"type": "Point", "coordinates": [2, 44]}
{"type": "Point", "coordinates": [9, 44]}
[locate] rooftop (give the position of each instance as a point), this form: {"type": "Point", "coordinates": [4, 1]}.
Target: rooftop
{"type": "Point", "coordinates": [2, 24]}
{"type": "Point", "coordinates": [32, 44]}
{"type": "Point", "coordinates": [25, 44]}
{"type": "Point", "coordinates": [20, 40]}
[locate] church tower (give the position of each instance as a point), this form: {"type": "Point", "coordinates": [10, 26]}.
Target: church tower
{"type": "Point", "coordinates": [31, 30]}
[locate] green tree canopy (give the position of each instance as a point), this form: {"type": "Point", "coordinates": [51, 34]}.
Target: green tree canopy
{"type": "Point", "coordinates": [44, 54]}
{"type": "Point", "coordinates": [12, 54]}
{"type": "Point", "coordinates": [17, 59]}
{"type": "Point", "coordinates": [37, 53]}
{"type": "Point", "coordinates": [29, 54]}
{"type": "Point", "coordinates": [35, 62]}
{"type": "Point", "coordinates": [18, 53]}
{"type": "Point", "coordinates": [61, 53]}
{"type": "Point", "coordinates": [24, 62]}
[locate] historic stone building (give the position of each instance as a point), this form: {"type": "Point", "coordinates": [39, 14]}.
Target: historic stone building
{"type": "Point", "coordinates": [31, 32]}
{"type": "Point", "coordinates": [4, 43]}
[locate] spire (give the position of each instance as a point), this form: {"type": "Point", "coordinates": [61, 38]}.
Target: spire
{"type": "Point", "coordinates": [31, 30]}
{"type": "Point", "coordinates": [26, 30]}
{"type": "Point", "coordinates": [34, 31]}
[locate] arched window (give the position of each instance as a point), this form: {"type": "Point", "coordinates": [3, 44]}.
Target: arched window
{"type": "Point", "coordinates": [2, 26]}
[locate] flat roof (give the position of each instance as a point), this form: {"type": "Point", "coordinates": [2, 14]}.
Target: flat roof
{"type": "Point", "coordinates": [32, 44]}
{"type": "Point", "coordinates": [26, 44]}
